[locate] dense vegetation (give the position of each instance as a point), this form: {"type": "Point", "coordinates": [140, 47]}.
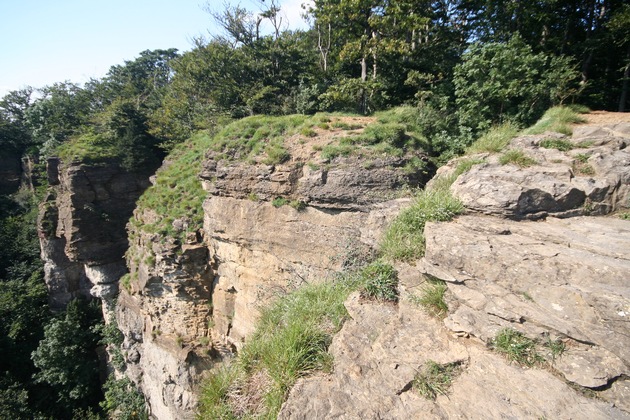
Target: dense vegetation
{"type": "Point", "coordinates": [461, 70]}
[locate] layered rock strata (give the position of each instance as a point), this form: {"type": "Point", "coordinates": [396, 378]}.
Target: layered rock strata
{"type": "Point", "coordinates": [508, 263]}
{"type": "Point", "coordinates": [82, 228]}
{"type": "Point", "coordinates": [192, 301]}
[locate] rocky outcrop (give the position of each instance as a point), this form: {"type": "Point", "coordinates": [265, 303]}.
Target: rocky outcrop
{"type": "Point", "coordinates": [82, 228]}
{"type": "Point", "coordinates": [509, 263]}
{"type": "Point", "coordinates": [593, 178]}
{"type": "Point", "coordinates": [192, 299]}
{"type": "Point", "coordinates": [263, 250]}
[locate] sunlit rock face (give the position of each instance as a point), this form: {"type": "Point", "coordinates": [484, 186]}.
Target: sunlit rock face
{"type": "Point", "coordinates": [192, 302]}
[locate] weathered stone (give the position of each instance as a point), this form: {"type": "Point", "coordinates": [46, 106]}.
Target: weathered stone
{"type": "Point", "coordinates": [558, 184]}
{"type": "Point", "coordinates": [383, 347]}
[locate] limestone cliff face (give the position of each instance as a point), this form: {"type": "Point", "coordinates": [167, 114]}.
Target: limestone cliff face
{"type": "Point", "coordinates": [82, 228]}
{"type": "Point", "coordinates": [561, 277]}
{"type": "Point", "coordinates": [191, 301]}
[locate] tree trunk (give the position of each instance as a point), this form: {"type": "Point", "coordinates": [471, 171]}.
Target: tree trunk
{"type": "Point", "coordinates": [363, 69]}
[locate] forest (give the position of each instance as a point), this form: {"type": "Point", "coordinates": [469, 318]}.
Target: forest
{"type": "Point", "coordinates": [462, 66]}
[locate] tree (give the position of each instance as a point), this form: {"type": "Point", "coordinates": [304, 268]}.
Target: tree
{"type": "Point", "coordinates": [499, 81]}
{"type": "Point", "coordinates": [67, 359]}
{"type": "Point", "coordinates": [61, 111]}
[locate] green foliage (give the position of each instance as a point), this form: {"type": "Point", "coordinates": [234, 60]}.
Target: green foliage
{"type": "Point", "coordinates": [556, 348]}
{"type": "Point", "coordinates": [435, 379]}
{"type": "Point", "coordinates": [498, 82]}
{"type": "Point", "coordinates": [279, 202]}
{"type": "Point", "coordinates": [558, 119]}
{"type": "Point", "coordinates": [558, 144]}
{"type": "Point", "coordinates": [516, 157]}
{"type": "Point", "coordinates": [404, 239]}
{"type": "Point", "coordinates": [122, 400]}
{"type": "Point", "coordinates": [380, 282]}
{"type": "Point", "coordinates": [432, 298]}
{"type": "Point", "coordinates": [494, 140]}
{"type": "Point", "coordinates": [66, 357]}
{"type": "Point", "coordinates": [291, 340]}
{"type": "Point", "coordinates": [516, 347]}
{"type": "Point", "coordinates": [354, 95]}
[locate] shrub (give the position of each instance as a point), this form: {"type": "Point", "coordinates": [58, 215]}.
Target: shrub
{"type": "Point", "coordinates": [123, 400]}
{"type": "Point", "coordinates": [516, 157]}
{"type": "Point", "coordinates": [435, 379]}
{"type": "Point", "coordinates": [497, 82]}
{"type": "Point", "coordinates": [380, 282]}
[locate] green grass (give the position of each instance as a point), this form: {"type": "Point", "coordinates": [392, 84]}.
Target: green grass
{"type": "Point", "coordinates": [380, 282]}
{"type": "Point", "coordinates": [88, 148]}
{"type": "Point", "coordinates": [558, 119]}
{"type": "Point", "coordinates": [177, 193]}
{"type": "Point", "coordinates": [291, 339]}
{"type": "Point", "coordinates": [432, 298]}
{"type": "Point", "coordinates": [404, 238]}
{"type": "Point", "coordinates": [555, 347]}
{"type": "Point", "coordinates": [516, 157]}
{"type": "Point", "coordinates": [495, 140]}
{"type": "Point", "coordinates": [516, 347]}
{"type": "Point", "coordinates": [435, 379]}
{"type": "Point", "coordinates": [279, 202]}
{"type": "Point", "coordinates": [559, 144]}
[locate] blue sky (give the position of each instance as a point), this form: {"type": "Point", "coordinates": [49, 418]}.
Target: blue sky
{"type": "Point", "coordinates": [48, 41]}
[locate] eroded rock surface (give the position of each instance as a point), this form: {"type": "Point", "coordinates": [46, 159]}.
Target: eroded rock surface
{"type": "Point", "coordinates": [550, 278]}
{"type": "Point", "coordinates": [593, 178]}
{"type": "Point", "coordinates": [81, 228]}
{"type": "Point", "coordinates": [380, 351]}
{"type": "Point", "coordinates": [191, 302]}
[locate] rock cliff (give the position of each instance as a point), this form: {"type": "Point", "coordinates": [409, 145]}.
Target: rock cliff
{"type": "Point", "coordinates": [193, 294]}
{"type": "Point", "coordinates": [81, 228]}
{"type": "Point", "coordinates": [535, 254]}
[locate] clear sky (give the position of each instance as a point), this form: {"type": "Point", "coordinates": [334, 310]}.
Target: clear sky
{"type": "Point", "coordinates": [48, 41]}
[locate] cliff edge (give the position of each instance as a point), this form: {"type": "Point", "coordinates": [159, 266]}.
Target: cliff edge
{"type": "Point", "coordinates": [536, 294]}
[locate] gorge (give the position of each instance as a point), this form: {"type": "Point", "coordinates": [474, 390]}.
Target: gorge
{"type": "Point", "coordinates": [536, 251]}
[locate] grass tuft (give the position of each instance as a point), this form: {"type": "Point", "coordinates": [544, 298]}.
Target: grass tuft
{"type": "Point", "coordinates": [558, 144]}
{"type": "Point", "coordinates": [495, 140]}
{"type": "Point", "coordinates": [435, 379]}
{"type": "Point", "coordinates": [432, 298]}
{"type": "Point", "coordinates": [380, 282]}
{"type": "Point", "coordinates": [404, 238]}
{"type": "Point", "coordinates": [517, 157]}
{"type": "Point", "coordinates": [291, 339]}
{"type": "Point", "coordinates": [558, 119]}
{"type": "Point", "coordinates": [516, 347]}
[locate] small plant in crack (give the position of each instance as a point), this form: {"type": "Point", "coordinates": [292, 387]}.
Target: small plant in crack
{"type": "Point", "coordinates": [516, 347]}
{"type": "Point", "coordinates": [432, 298]}
{"type": "Point", "coordinates": [556, 348]}
{"type": "Point", "coordinates": [435, 379]}
{"type": "Point", "coordinates": [380, 282]}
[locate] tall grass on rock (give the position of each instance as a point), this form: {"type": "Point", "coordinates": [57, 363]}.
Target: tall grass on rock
{"type": "Point", "coordinates": [291, 340]}
{"type": "Point", "coordinates": [404, 239]}
{"type": "Point", "coordinates": [558, 119]}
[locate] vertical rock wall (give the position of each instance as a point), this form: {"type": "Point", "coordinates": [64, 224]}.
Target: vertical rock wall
{"type": "Point", "coordinates": [190, 303]}
{"type": "Point", "coordinates": [81, 228]}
